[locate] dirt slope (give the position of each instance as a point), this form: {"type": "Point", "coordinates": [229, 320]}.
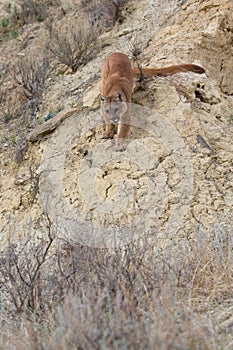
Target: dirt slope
{"type": "Point", "coordinates": [176, 173]}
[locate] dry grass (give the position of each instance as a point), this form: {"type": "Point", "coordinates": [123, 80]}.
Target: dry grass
{"type": "Point", "coordinates": [61, 296]}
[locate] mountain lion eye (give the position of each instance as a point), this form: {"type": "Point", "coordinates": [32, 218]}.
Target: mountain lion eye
{"type": "Point", "coordinates": [107, 111]}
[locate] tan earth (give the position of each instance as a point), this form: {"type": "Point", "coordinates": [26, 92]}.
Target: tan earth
{"type": "Point", "coordinates": [177, 172]}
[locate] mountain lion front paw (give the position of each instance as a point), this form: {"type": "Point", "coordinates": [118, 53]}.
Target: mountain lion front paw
{"type": "Point", "coordinates": [120, 146]}
{"type": "Point", "coordinates": [107, 136]}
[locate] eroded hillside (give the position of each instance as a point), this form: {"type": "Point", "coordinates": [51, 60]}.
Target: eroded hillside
{"type": "Point", "coordinates": [163, 206]}
{"type": "Point", "coordinates": [182, 127]}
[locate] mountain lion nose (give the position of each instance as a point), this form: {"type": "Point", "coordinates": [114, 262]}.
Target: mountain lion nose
{"type": "Point", "coordinates": [114, 120]}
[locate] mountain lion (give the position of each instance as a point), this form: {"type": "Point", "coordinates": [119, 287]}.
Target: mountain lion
{"type": "Point", "coordinates": [116, 91]}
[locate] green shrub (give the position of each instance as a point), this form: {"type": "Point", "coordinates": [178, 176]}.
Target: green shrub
{"type": "Point", "coordinates": [14, 33]}
{"type": "Point", "coordinates": [5, 22]}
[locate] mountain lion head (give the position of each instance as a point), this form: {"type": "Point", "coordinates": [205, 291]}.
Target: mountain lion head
{"type": "Point", "coordinates": [113, 107]}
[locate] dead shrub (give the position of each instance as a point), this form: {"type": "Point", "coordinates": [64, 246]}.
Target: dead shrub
{"type": "Point", "coordinates": [103, 12]}
{"type": "Point", "coordinates": [73, 44]}
{"type": "Point", "coordinates": [31, 73]}
{"type": "Point", "coordinates": [21, 279]}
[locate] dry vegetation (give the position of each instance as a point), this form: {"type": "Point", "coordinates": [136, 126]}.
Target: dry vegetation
{"type": "Point", "coordinates": [30, 74]}
{"type": "Point", "coordinates": [103, 12]}
{"type": "Point", "coordinates": [23, 13]}
{"type": "Point", "coordinates": [55, 295]}
{"type": "Point", "coordinates": [71, 41]}
{"type": "Point", "coordinates": [73, 44]}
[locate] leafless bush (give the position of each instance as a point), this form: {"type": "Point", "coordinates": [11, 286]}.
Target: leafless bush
{"type": "Point", "coordinates": [73, 44]}
{"type": "Point", "coordinates": [135, 49]}
{"type": "Point", "coordinates": [21, 279]}
{"type": "Point", "coordinates": [31, 73]}
{"type": "Point", "coordinates": [103, 12]}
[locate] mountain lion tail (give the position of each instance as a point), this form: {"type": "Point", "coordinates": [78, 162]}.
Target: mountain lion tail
{"type": "Point", "coordinates": [166, 71]}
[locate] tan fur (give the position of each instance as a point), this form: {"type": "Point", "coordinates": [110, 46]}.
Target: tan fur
{"type": "Point", "coordinates": [116, 91]}
{"type": "Point", "coordinates": [170, 70]}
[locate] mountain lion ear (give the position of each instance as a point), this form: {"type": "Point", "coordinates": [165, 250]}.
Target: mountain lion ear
{"type": "Point", "coordinates": [118, 96]}
{"type": "Point", "coordinates": [103, 98]}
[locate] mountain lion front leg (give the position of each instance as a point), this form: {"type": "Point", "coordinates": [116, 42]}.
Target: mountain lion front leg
{"type": "Point", "coordinates": [123, 131]}
{"type": "Point", "coordinates": [109, 127]}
